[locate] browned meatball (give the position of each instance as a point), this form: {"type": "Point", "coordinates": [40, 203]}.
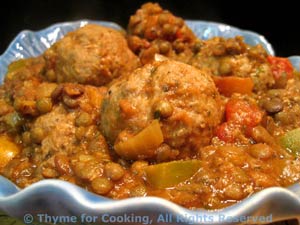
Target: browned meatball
{"type": "Point", "coordinates": [184, 98]}
{"type": "Point", "coordinates": [155, 30]}
{"type": "Point", "coordinates": [92, 54]}
{"type": "Point", "coordinates": [233, 57]}
{"type": "Point", "coordinates": [59, 142]}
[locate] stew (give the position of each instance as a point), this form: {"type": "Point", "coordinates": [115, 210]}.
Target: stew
{"type": "Point", "coordinates": [153, 112]}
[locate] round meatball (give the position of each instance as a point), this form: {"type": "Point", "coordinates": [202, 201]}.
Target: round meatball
{"type": "Point", "coordinates": [92, 54]}
{"type": "Point", "coordinates": [233, 57]}
{"type": "Point", "coordinates": [183, 98]}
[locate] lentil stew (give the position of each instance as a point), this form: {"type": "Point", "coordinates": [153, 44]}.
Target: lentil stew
{"type": "Point", "coordinates": [154, 111]}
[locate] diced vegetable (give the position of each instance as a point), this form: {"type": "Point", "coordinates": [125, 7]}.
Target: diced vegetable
{"type": "Point", "coordinates": [143, 144]}
{"type": "Point", "coordinates": [8, 150]}
{"type": "Point", "coordinates": [169, 174]}
{"type": "Point", "coordinates": [227, 132]}
{"type": "Point", "coordinates": [231, 84]}
{"type": "Point", "coordinates": [291, 141]}
{"type": "Point", "coordinates": [243, 112]}
{"type": "Point", "coordinates": [241, 116]}
{"type": "Point", "coordinates": [281, 67]}
{"type": "Point", "coordinates": [16, 65]}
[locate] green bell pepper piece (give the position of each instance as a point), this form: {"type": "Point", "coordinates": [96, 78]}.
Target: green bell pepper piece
{"type": "Point", "coordinates": [169, 174]}
{"type": "Point", "coordinates": [291, 141]}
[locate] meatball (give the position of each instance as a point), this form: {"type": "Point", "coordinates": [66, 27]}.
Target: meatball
{"type": "Point", "coordinates": [64, 141]}
{"type": "Point", "coordinates": [155, 30]}
{"type": "Point", "coordinates": [73, 118]}
{"type": "Point", "coordinates": [92, 54]}
{"type": "Point", "coordinates": [233, 57]}
{"type": "Point", "coordinates": [184, 98]}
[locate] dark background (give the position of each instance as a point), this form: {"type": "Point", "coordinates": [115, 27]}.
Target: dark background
{"type": "Point", "coordinates": [277, 20]}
